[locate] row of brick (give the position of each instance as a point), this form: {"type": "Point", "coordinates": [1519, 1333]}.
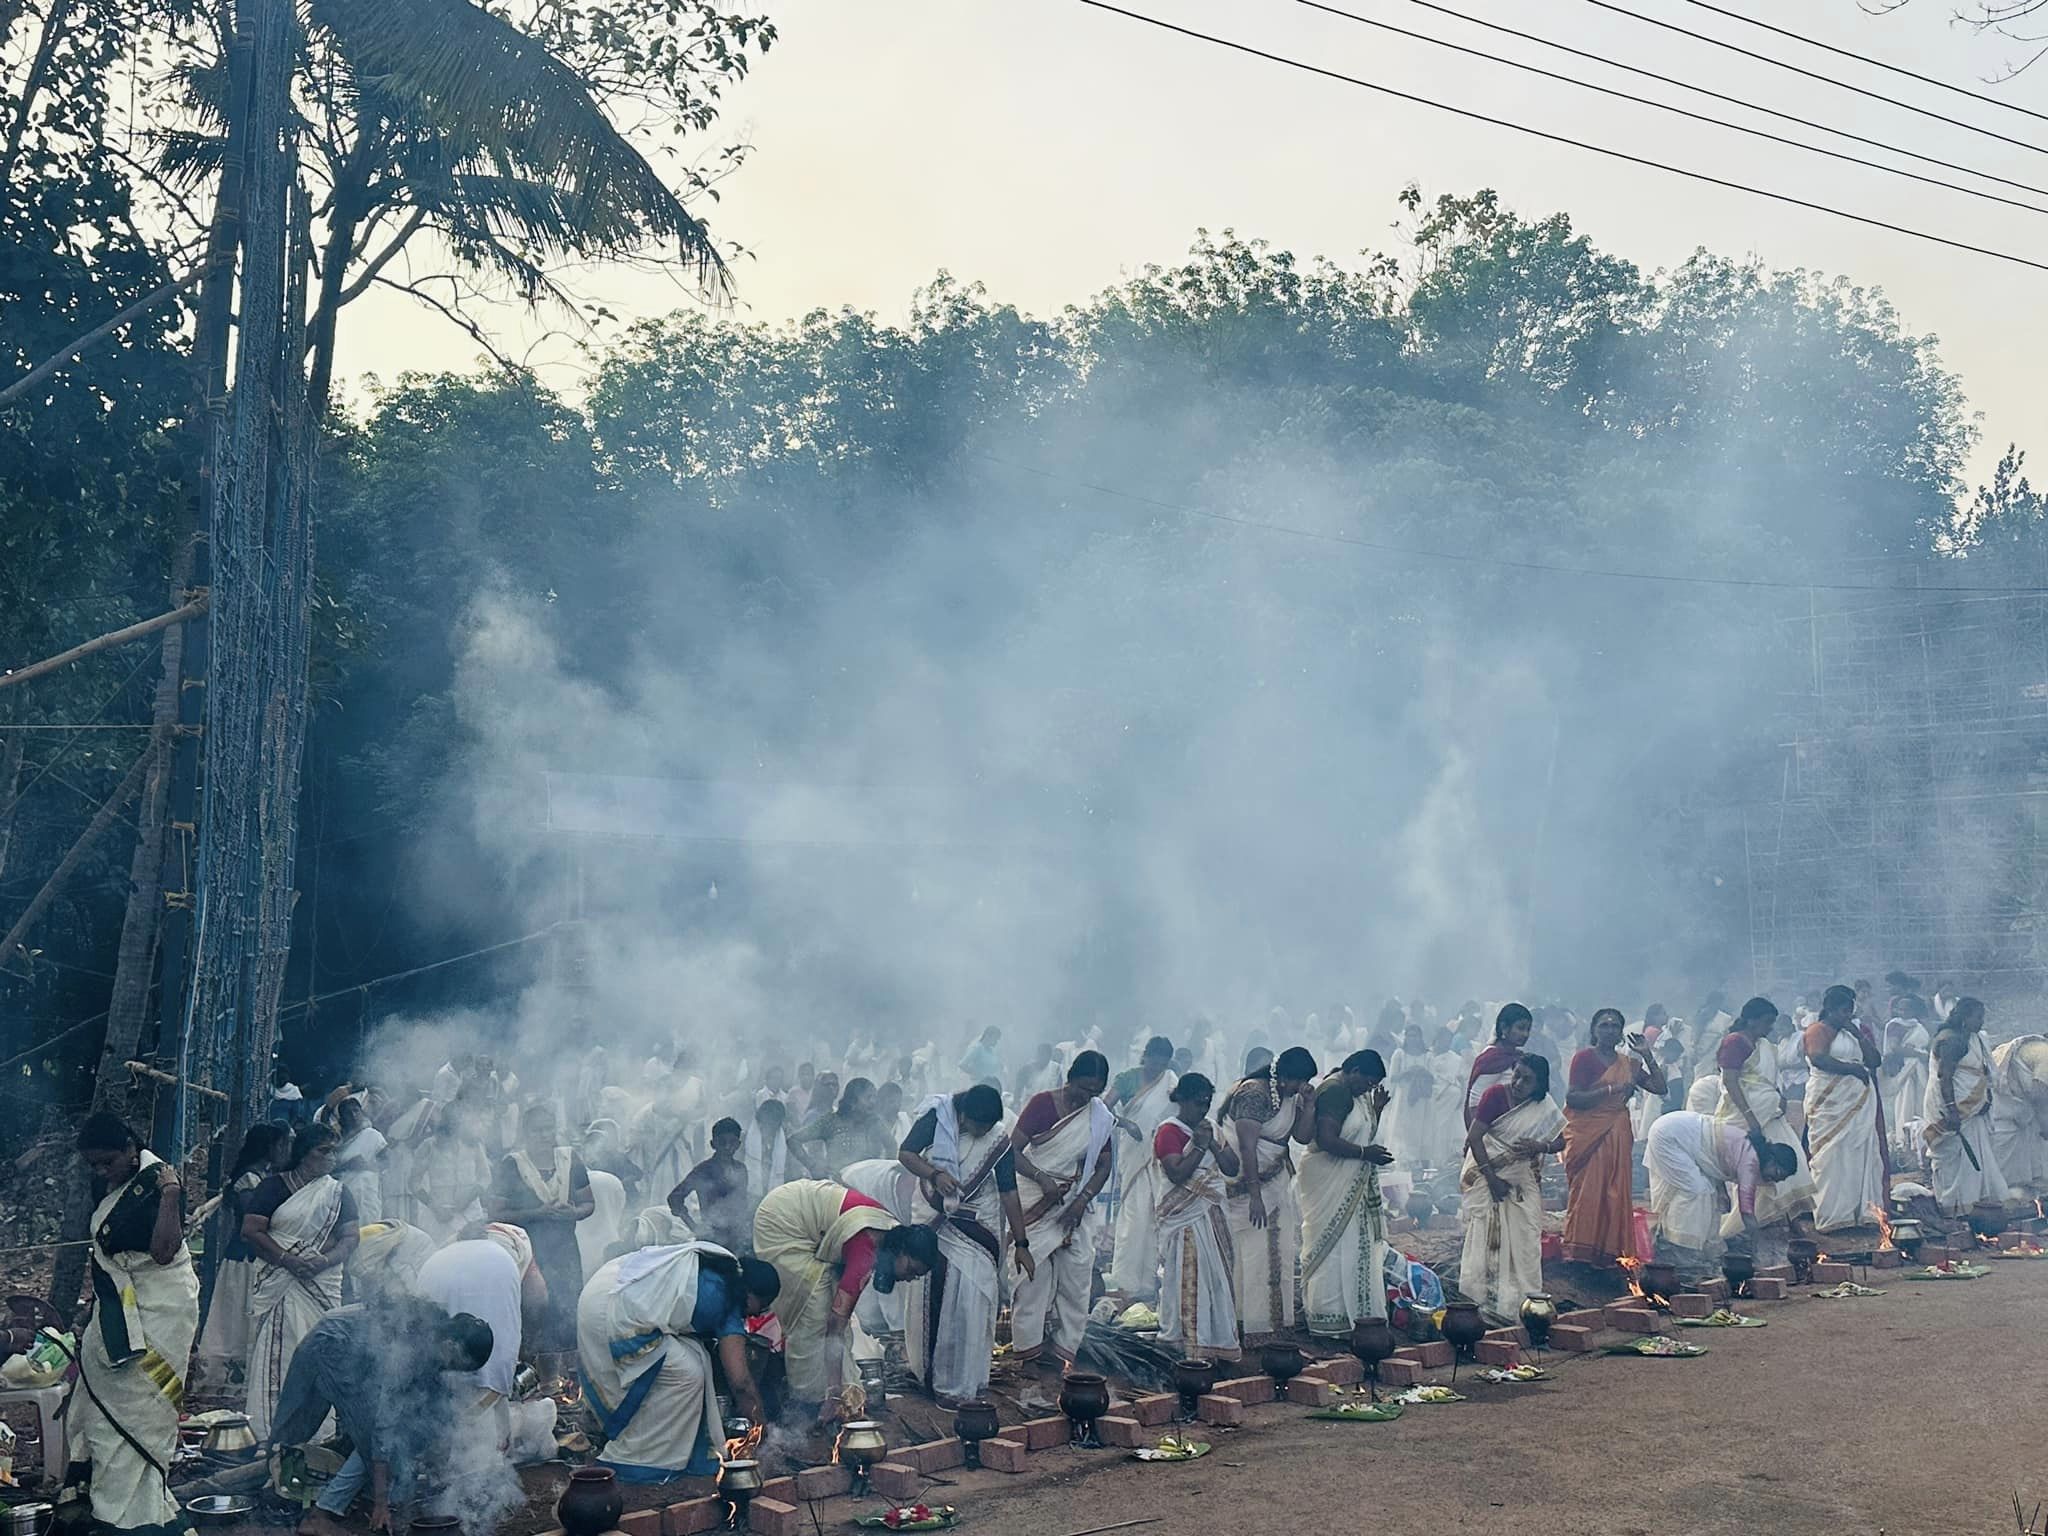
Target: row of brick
{"type": "Point", "coordinates": [1137, 1421]}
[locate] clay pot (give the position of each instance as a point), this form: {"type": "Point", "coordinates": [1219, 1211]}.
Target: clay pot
{"type": "Point", "coordinates": [1372, 1340]}
{"type": "Point", "coordinates": [1802, 1253]}
{"type": "Point", "coordinates": [1462, 1326]}
{"type": "Point", "coordinates": [1660, 1281]}
{"type": "Point", "coordinates": [591, 1503]}
{"type": "Point", "coordinates": [435, 1525]}
{"type": "Point", "coordinates": [1282, 1362]}
{"type": "Point", "coordinates": [1538, 1313]}
{"type": "Point", "coordinates": [1738, 1269]}
{"type": "Point", "coordinates": [1084, 1398]}
{"type": "Point", "coordinates": [1987, 1218]}
{"type": "Point", "coordinates": [974, 1423]}
{"type": "Point", "coordinates": [1421, 1206]}
{"type": "Point", "coordinates": [1191, 1378]}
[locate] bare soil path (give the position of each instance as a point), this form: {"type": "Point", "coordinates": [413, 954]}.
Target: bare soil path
{"type": "Point", "coordinates": [1917, 1413]}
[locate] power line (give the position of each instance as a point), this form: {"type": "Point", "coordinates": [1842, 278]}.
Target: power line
{"type": "Point", "coordinates": [1733, 101]}
{"type": "Point", "coordinates": [1812, 74]}
{"type": "Point", "coordinates": [1559, 138]}
{"type": "Point", "coordinates": [1665, 106]}
{"type": "Point", "coordinates": [1463, 557]}
{"type": "Point", "coordinates": [1897, 69]}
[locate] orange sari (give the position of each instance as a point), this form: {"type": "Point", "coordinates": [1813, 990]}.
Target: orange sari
{"type": "Point", "coordinates": [1598, 1148]}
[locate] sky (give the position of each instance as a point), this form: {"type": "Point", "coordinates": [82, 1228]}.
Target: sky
{"type": "Point", "coordinates": [1048, 149]}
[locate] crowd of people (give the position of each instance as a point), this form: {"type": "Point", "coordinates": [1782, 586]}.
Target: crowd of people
{"type": "Point", "coordinates": [756, 1232]}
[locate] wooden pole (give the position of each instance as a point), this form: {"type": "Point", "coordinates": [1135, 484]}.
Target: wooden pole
{"type": "Point", "coordinates": [105, 642]}
{"type": "Point", "coordinates": [95, 830]}
{"type": "Point", "coordinates": [142, 305]}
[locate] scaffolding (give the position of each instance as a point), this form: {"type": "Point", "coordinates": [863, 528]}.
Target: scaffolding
{"type": "Point", "coordinates": [1906, 831]}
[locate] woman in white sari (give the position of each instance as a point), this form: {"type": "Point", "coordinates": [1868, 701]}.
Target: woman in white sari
{"type": "Point", "coordinates": [1411, 1084]}
{"type": "Point", "coordinates": [1343, 1223]}
{"type": "Point", "coordinates": [1062, 1143]}
{"type": "Point", "coordinates": [303, 1226]}
{"type": "Point", "coordinates": [967, 1195]}
{"type": "Point", "coordinates": [223, 1351]}
{"type": "Point", "coordinates": [132, 1353]}
{"type": "Point", "coordinates": [1143, 1101]}
{"type": "Point", "coordinates": [2019, 1113]}
{"type": "Point", "coordinates": [1268, 1114]}
{"type": "Point", "coordinates": [642, 1327]}
{"type": "Point", "coordinates": [1197, 1302]}
{"type": "Point", "coordinates": [1844, 1119]}
{"type": "Point", "coordinates": [359, 1159]}
{"type": "Point", "coordinates": [1514, 1125]}
{"type": "Point", "coordinates": [1747, 1061]}
{"type": "Point", "coordinates": [1957, 1113]}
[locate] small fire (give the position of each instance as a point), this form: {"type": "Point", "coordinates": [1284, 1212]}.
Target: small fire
{"type": "Point", "coordinates": [742, 1447]}
{"type": "Point", "coordinates": [1633, 1268]}
{"type": "Point", "coordinates": [1884, 1225]}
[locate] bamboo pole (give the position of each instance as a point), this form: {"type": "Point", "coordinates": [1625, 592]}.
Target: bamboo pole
{"type": "Point", "coordinates": [50, 664]}
{"type": "Point", "coordinates": [142, 305]}
{"type": "Point", "coordinates": [170, 1080]}
{"type": "Point", "coordinates": [95, 830]}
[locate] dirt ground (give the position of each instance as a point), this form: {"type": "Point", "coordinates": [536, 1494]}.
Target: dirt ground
{"type": "Point", "coordinates": [1914, 1413]}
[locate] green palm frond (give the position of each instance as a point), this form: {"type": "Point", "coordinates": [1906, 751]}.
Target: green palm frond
{"type": "Point", "coordinates": [187, 159]}
{"type": "Point", "coordinates": [505, 110]}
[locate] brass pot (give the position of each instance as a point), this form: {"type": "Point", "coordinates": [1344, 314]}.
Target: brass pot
{"type": "Point", "coordinates": [739, 1477]}
{"type": "Point", "coordinates": [1539, 1312]}
{"type": "Point", "coordinates": [1907, 1236]}
{"type": "Point", "coordinates": [229, 1437]}
{"type": "Point", "coordinates": [861, 1445]}
{"type": "Point", "coordinates": [1987, 1218]}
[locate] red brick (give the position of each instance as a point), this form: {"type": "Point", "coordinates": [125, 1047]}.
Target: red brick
{"type": "Point", "coordinates": [1715, 1291]}
{"type": "Point", "coordinates": [1003, 1455]}
{"type": "Point", "coordinates": [1633, 1319]}
{"type": "Point", "coordinates": [1767, 1290]}
{"type": "Point", "coordinates": [896, 1480]}
{"type": "Point", "coordinates": [692, 1516]}
{"type": "Point", "coordinates": [1887, 1258]}
{"type": "Point", "coordinates": [1691, 1304]}
{"type": "Point", "coordinates": [1249, 1390]}
{"type": "Point", "coordinates": [1155, 1409]}
{"type": "Point", "coordinates": [1512, 1335]}
{"type": "Point", "coordinates": [1571, 1341]}
{"type": "Point", "coordinates": [1832, 1274]}
{"type": "Point", "coordinates": [783, 1488]}
{"type": "Point", "coordinates": [2014, 1240]}
{"type": "Point", "coordinates": [1339, 1371]}
{"type": "Point", "coordinates": [1310, 1393]}
{"type": "Point", "coordinates": [1401, 1373]}
{"type": "Point", "coordinates": [1044, 1434]}
{"type": "Point", "coordinates": [823, 1482]}
{"type": "Point", "coordinates": [1775, 1272]}
{"type": "Point", "coordinates": [1121, 1431]}
{"type": "Point", "coordinates": [1588, 1317]}
{"type": "Point", "coordinates": [772, 1517]}
{"type": "Point", "coordinates": [939, 1455]}
{"type": "Point", "coordinates": [1223, 1412]}
{"type": "Point", "coordinates": [642, 1522]}
{"type": "Point", "coordinates": [1434, 1356]}
{"type": "Point", "coordinates": [1497, 1352]}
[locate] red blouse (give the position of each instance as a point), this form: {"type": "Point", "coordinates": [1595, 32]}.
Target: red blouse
{"type": "Point", "coordinates": [857, 1258]}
